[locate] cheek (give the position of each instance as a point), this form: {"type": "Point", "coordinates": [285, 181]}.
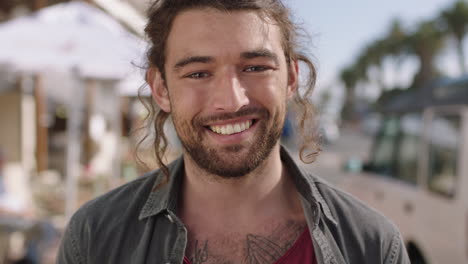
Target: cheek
{"type": "Point", "coordinates": [186, 107]}
{"type": "Point", "coordinates": [269, 93]}
{"type": "Point", "coordinates": [186, 103]}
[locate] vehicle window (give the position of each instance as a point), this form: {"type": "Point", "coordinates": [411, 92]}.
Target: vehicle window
{"type": "Point", "coordinates": [384, 148]}
{"type": "Point", "coordinates": [443, 154]}
{"type": "Point", "coordinates": [408, 147]}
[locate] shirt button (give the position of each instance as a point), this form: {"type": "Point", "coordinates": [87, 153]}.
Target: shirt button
{"type": "Point", "coordinates": [172, 221]}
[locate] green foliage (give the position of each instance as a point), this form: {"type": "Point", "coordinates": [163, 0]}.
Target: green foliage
{"type": "Point", "coordinates": [455, 21]}
{"type": "Point", "coordinates": [424, 42]}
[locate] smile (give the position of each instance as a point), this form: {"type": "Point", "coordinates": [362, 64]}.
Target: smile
{"type": "Point", "coordinates": [230, 129]}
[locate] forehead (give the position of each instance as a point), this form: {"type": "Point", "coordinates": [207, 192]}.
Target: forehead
{"type": "Point", "coordinates": [215, 33]}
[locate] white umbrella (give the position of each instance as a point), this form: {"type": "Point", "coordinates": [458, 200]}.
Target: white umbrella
{"type": "Point", "coordinates": [68, 36]}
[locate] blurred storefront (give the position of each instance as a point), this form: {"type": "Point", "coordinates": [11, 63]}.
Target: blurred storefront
{"type": "Point", "coordinates": [68, 80]}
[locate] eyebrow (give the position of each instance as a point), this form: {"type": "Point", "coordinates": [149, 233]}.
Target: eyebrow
{"type": "Point", "coordinates": [193, 59]}
{"type": "Point", "coordinates": [259, 54]}
{"type": "Point", "coordinates": [246, 55]}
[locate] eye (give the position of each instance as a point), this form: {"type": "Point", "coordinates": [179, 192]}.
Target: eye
{"type": "Point", "coordinates": [197, 75]}
{"type": "Point", "coordinates": [257, 68]}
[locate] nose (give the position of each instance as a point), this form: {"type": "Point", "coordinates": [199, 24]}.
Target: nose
{"type": "Point", "coordinates": [229, 94]}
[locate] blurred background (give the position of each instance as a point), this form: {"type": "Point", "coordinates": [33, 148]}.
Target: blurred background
{"type": "Point", "coordinates": [392, 97]}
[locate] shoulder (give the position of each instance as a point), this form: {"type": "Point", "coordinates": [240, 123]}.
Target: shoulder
{"type": "Point", "coordinates": [348, 209]}
{"type": "Point", "coordinates": [98, 223]}
{"type": "Point", "coordinates": [372, 235]}
{"type": "Point", "coordinates": [122, 206]}
{"type": "Point", "coordinates": [126, 199]}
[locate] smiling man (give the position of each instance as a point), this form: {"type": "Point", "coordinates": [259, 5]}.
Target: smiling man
{"type": "Point", "coordinates": [225, 71]}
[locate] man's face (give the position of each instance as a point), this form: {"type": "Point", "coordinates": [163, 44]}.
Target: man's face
{"type": "Point", "coordinates": [228, 83]}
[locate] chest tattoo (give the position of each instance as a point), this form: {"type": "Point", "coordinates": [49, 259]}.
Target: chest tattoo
{"type": "Point", "coordinates": [251, 249]}
{"type": "Point", "coordinates": [263, 250]}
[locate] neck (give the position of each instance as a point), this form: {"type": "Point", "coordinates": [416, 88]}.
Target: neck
{"type": "Point", "coordinates": [265, 191]}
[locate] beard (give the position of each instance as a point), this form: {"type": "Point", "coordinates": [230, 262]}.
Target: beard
{"type": "Point", "coordinates": [235, 160]}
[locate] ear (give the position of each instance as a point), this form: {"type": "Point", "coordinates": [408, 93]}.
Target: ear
{"type": "Point", "coordinates": [293, 78]}
{"type": "Point", "coordinates": [158, 89]}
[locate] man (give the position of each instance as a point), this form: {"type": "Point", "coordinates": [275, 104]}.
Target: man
{"type": "Point", "coordinates": [225, 71]}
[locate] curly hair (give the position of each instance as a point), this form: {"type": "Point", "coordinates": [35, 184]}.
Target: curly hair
{"type": "Point", "coordinates": [161, 15]}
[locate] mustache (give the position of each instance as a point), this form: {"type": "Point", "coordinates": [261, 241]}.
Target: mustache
{"type": "Point", "coordinates": [259, 112]}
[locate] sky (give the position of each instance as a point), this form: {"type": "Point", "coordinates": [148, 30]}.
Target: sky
{"type": "Point", "coordinates": [341, 29]}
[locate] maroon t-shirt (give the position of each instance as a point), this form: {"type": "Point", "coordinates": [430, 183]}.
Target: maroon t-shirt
{"type": "Point", "coordinates": [301, 252]}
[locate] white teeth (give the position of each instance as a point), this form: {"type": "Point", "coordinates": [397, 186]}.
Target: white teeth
{"type": "Point", "coordinates": [237, 128]}
{"type": "Point", "coordinates": [231, 128]}
{"type": "Point", "coordinates": [242, 126]}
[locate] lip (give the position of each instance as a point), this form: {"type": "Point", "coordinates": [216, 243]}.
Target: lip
{"type": "Point", "coordinates": [235, 138]}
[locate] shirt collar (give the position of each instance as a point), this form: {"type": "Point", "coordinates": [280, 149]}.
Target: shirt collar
{"type": "Point", "coordinates": [306, 185]}
{"type": "Point", "coordinates": [166, 197]}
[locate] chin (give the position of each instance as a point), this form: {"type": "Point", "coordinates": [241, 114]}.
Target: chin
{"type": "Point", "coordinates": [230, 162]}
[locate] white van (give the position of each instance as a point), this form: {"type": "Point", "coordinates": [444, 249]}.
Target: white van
{"type": "Point", "coordinates": [418, 172]}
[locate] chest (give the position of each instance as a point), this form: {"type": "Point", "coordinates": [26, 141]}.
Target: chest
{"type": "Point", "coordinates": [282, 245]}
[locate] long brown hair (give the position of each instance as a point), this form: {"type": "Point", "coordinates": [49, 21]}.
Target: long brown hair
{"type": "Point", "coordinates": [161, 15]}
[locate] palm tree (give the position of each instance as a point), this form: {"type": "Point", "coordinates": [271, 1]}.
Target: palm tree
{"type": "Point", "coordinates": [396, 37]}
{"type": "Point", "coordinates": [350, 78]}
{"type": "Point", "coordinates": [455, 20]}
{"type": "Point", "coordinates": [397, 48]}
{"type": "Point", "coordinates": [397, 41]}
{"type": "Point", "coordinates": [370, 58]}
{"type": "Point", "coordinates": [426, 43]}
{"type": "Point", "coordinates": [373, 60]}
